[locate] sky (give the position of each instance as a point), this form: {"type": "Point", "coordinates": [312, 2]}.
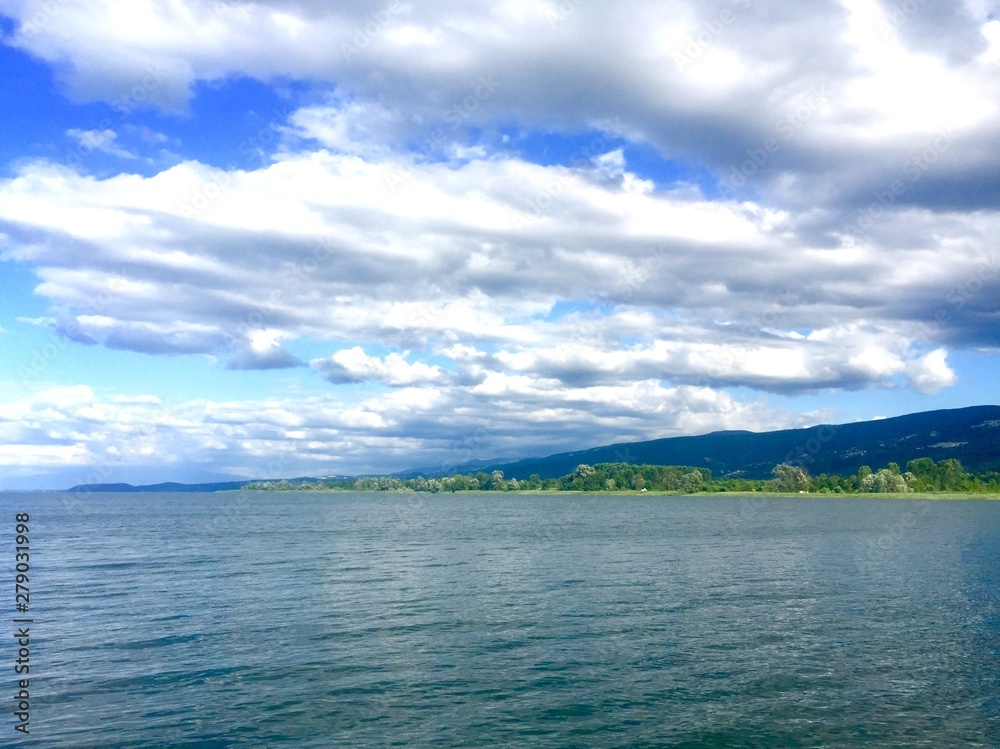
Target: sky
{"type": "Point", "coordinates": [291, 237]}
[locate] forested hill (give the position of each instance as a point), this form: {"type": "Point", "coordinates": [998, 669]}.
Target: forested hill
{"type": "Point", "coordinates": [971, 435]}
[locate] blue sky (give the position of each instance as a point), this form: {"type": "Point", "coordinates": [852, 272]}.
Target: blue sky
{"type": "Point", "coordinates": [274, 238]}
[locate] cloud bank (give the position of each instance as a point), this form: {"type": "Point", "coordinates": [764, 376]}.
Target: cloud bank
{"type": "Point", "coordinates": [750, 198]}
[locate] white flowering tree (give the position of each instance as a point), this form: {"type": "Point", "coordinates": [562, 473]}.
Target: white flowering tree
{"type": "Point", "coordinates": [789, 478]}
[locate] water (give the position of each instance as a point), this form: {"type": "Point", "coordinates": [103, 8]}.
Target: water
{"type": "Point", "coordinates": [365, 620]}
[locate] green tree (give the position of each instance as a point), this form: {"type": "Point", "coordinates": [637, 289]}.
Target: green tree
{"type": "Point", "coordinates": [691, 482]}
{"type": "Point", "coordinates": [789, 478]}
{"type": "Point", "coordinates": [585, 478]}
{"type": "Point", "coordinates": [924, 471]}
{"type": "Point", "coordinates": [951, 476]}
{"type": "Point", "coordinates": [945, 475]}
{"type": "Point", "coordinates": [885, 480]}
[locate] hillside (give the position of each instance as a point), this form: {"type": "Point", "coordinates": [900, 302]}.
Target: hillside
{"type": "Point", "coordinates": [971, 435]}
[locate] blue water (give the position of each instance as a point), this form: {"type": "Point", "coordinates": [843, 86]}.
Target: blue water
{"type": "Point", "coordinates": [366, 620]}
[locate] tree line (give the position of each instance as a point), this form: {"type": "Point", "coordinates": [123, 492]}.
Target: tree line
{"type": "Point", "coordinates": [921, 475]}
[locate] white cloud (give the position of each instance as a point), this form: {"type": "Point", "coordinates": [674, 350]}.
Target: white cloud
{"type": "Point", "coordinates": [146, 134]}
{"type": "Point", "coordinates": [110, 438]}
{"type": "Point", "coordinates": [354, 365]}
{"type": "Point", "coordinates": [904, 91]}
{"type": "Point", "coordinates": [807, 106]}
{"type": "Point", "coordinates": [930, 373]}
{"type": "Point", "coordinates": [856, 147]}
{"type": "Point", "coordinates": [104, 141]}
{"type": "Point", "coordinates": [260, 348]}
{"type": "Point", "coordinates": [653, 61]}
{"type": "Point", "coordinates": [349, 127]}
{"type": "Point", "coordinates": [329, 247]}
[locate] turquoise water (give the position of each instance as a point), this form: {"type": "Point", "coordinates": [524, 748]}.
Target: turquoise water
{"type": "Point", "coordinates": [364, 620]}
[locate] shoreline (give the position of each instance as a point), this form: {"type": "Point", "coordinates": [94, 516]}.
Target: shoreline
{"type": "Point", "coordinates": [948, 496]}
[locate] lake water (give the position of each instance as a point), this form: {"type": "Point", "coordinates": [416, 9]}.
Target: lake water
{"type": "Point", "coordinates": [374, 620]}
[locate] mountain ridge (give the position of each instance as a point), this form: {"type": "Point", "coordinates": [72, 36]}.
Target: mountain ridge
{"type": "Point", "coordinates": [823, 448]}
{"type": "Point", "coordinates": [970, 435]}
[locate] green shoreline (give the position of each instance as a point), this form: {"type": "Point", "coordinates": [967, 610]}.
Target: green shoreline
{"type": "Point", "coordinates": [913, 496]}
{"type": "Point", "coordinates": [922, 479]}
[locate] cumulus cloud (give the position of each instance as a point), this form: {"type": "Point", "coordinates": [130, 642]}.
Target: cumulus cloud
{"type": "Point", "coordinates": [793, 364]}
{"type": "Point", "coordinates": [354, 365]}
{"type": "Point", "coordinates": [100, 438]}
{"type": "Point", "coordinates": [930, 373]}
{"type": "Point", "coordinates": [349, 126]}
{"type": "Point", "coordinates": [821, 213]}
{"type": "Point", "coordinates": [720, 83]}
{"type": "Point", "coordinates": [331, 247]}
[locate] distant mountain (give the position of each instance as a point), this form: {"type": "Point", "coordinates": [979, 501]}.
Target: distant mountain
{"type": "Point", "coordinates": [169, 486]}
{"type": "Point", "coordinates": [972, 435]}
{"type": "Point", "coordinates": [172, 486]}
